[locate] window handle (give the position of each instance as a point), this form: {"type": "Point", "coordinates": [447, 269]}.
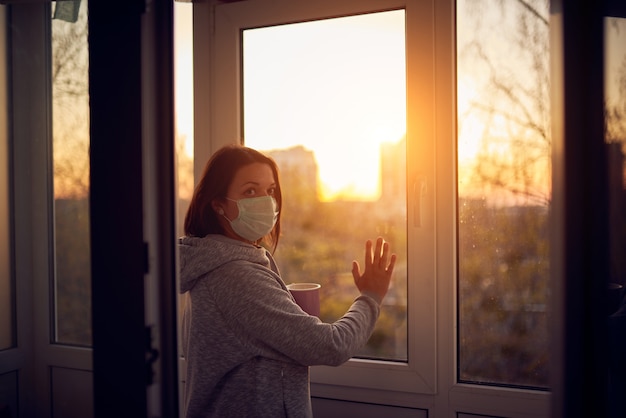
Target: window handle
{"type": "Point", "coordinates": [419, 192]}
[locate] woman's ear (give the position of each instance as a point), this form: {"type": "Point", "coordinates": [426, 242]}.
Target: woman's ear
{"type": "Point", "coordinates": [217, 207]}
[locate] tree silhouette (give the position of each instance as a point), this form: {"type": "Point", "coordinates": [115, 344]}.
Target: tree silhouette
{"type": "Point", "coordinates": [70, 99]}
{"type": "Point", "coordinates": [616, 109]}
{"type": "Point", "coordinates": [503, 242]}
{"type": "Point", "coordinates": [615, 138]}
{"type": "Point", "coordinates": [514, 156]}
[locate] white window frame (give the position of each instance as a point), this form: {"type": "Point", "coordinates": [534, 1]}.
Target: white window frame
{"type": "Point", "coordinates": [428, 380]}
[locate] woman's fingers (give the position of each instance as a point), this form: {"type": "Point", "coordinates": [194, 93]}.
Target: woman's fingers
{"type": "Point", "coordinates": [377, 258]}
{"type": "Point", "coordinates": [378, 251]}
{"type": "Point", "coordinates": [384, 259]}
{"type": "Point", "coordinates": [392, 263]}
{"type": "Point", "coordinates": [356, 273]}
{"type": "Point", "coordinates": [368, 254]}
{"type": "Point", "coordinates": [382, 254]}
{"type": "Point", "coordinates": [379, 264]}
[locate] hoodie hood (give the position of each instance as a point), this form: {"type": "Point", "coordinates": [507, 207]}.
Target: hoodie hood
{"type": "Point", "coordinates": [200, 256]}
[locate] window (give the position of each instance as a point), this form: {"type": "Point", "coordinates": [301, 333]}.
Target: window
{"type": "Point", "coordinates": [326, 99]}
{"type": "Point", "coordinates": [70, 155]}
{"type": "Point", "coordinates": [183, 69]}
{"type": "Point", "coordinates": [504, 192]}
{"type": "Point", "coordinates": [423, 360]}
{"type": "Point", "coordinates": [615, 138]}
{"type": "Point", "coordinates": [46, 112]}
{"type": "Point", "coordinates": [615, 143]}
{"type": "Point", "coordinates": [397, 357]}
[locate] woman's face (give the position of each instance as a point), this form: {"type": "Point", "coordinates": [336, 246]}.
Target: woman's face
{"type": "Point", "coordinates": [252, 180]}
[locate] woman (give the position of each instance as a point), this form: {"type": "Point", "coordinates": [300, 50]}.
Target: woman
{"type": "Point", "coordinates": [247, 343]}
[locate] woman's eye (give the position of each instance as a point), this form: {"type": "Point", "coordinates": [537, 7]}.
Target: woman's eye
{"type": "Point", "coordinates": [271, 191]}
{"type": "Point", "coordinates": [250, 192]}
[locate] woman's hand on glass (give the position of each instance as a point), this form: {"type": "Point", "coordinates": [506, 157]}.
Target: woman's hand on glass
{"type": "Point", "coordinates": [379, 264]}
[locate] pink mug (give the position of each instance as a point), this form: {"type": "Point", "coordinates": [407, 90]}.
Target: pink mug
{"type": "Point", "coordinates": [307, 296]}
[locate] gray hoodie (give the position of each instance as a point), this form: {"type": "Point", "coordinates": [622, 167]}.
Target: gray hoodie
{"type": "Point", "coordinates": [246, 343]}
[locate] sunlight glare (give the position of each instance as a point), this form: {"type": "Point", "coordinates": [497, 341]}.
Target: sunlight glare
{"type": "Point", "coordinates": [336, 86]}
{"type": "Point", "coordinates": [470, 126]}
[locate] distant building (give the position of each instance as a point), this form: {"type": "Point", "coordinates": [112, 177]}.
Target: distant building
{"type": "Point", "coordinates": [297, 166]}
{"type": "Point", "coordinates": [299, 173]}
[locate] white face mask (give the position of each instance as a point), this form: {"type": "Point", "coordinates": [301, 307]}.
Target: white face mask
{"type": "Point", "coordinates": [257, 217]}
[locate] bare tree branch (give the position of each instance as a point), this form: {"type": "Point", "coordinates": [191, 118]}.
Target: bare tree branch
{"type": "Point", "coordinates": [532, 10]}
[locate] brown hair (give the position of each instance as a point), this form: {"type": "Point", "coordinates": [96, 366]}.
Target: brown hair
{"type": "Point", "coordinates": [219, 172]}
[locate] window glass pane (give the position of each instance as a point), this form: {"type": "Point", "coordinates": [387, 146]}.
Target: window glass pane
{"type": "Point", "coordinates": [183, 69]}
{"type": "Point", "coordinates": [7, 323]}
{"type": "Point", "coordinates": [615, 139]}
{"type": "Point", "coordinates": [70, 101]}
{"type": "Point", "coordinates": [615, 94]}
{"type": "Point", "coordinates": [504, 179]}
{"type": "Point", "coordinates": [326, 99]}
